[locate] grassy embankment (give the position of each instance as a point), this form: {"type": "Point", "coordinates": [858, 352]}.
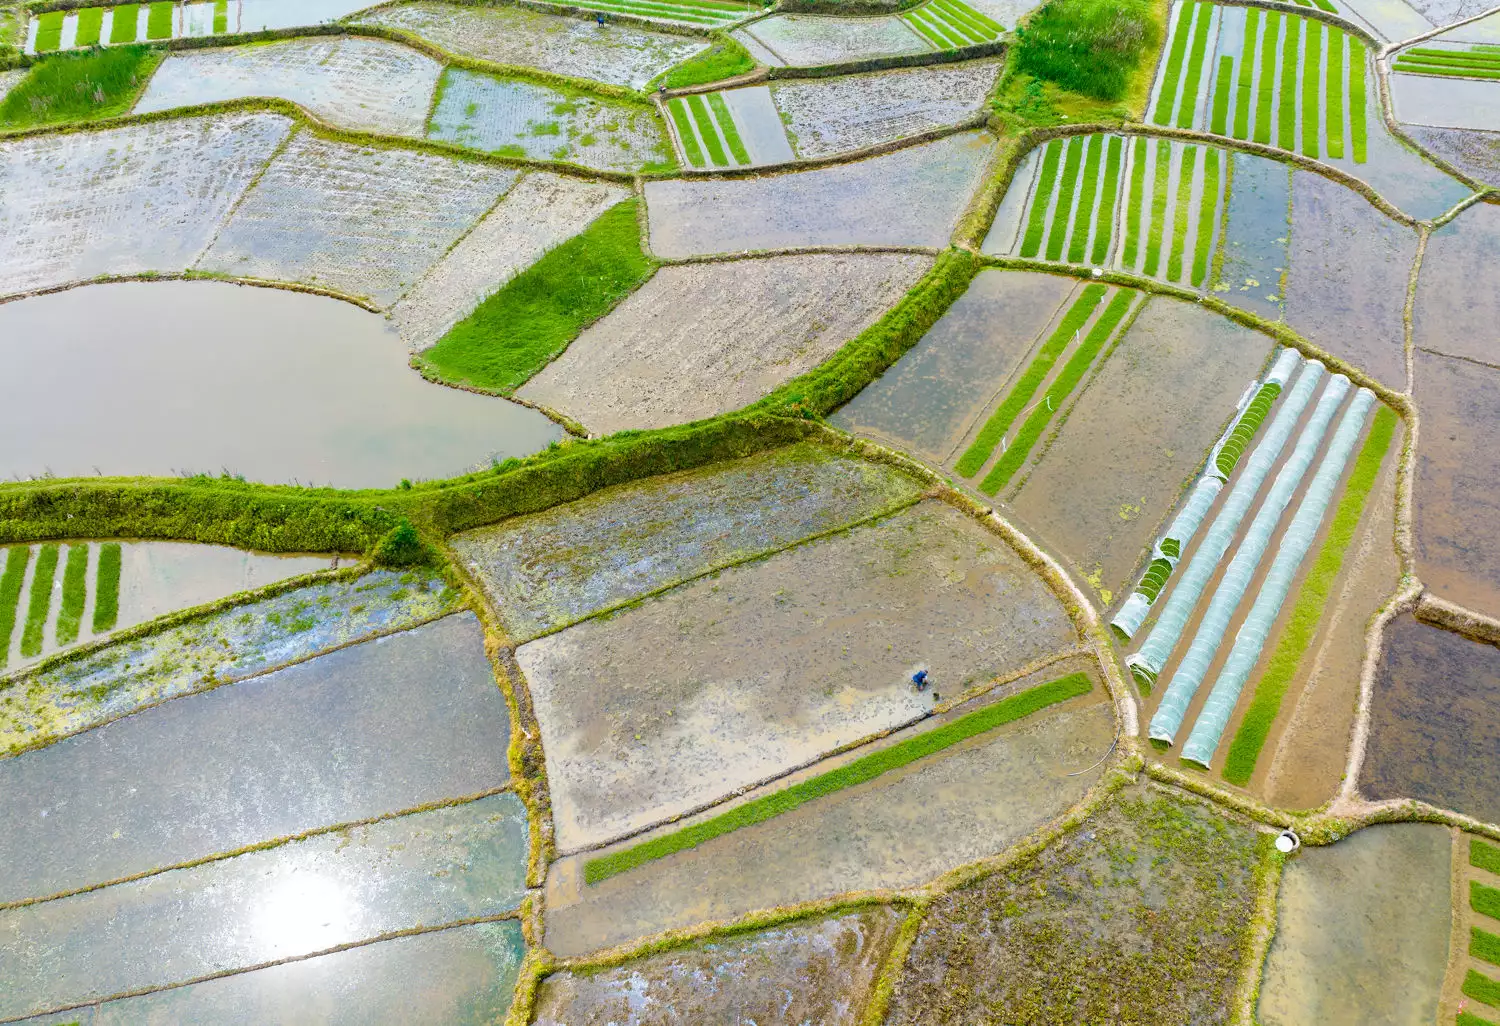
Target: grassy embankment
{"type": "Point", "coordinates": [79, 86]}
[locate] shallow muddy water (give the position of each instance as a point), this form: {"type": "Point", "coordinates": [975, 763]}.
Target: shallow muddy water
{"type": "Point", "coordinates": [1451, 315]}
{"type": "Point", "coordinates": [1474, 153]}
{"type": "Point", "coordinates": [1255, 245]}
{"type": "Point", "coordinates": [164, 378]}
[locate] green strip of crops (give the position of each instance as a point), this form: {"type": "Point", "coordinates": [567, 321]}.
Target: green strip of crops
{"type": "Point", "coordinates": [1181, 33]}
{"type": "Point", "coordinates": [1208, 206]}
{"type": "Point", "coordinates": [727, 126]}
{"type": "Point", "coordinates": [1451, 60]}
{"type": "Point", "coordinates": [90, 21]}
{"type": "Point", "coordinates": [690, 148]}
{"type": "Point", "coordinates": [1454, 56]}
{"type": "Point", "coordinates": [1423, 69]}
{"type": "Point", "coordinates": [1312, 600]}
{"type": "Point", "coordinates": [124, 24]}
{"type": "Point", "coordinates": [40, 602]}
{"type": "Point", "coordinates": [1182, 212]}
{"type": "Point", "coordinates": [955, 24]}
{"type": "Point", "coordinates": [1158, 207]}
{"type": "Point", "coordinates": [936, 30]}
{"type": "Point", "coordinates": [1484, 899]}
{"type": "Point", "coordinates": [1036, 223]}
{"type": "Point", "coordinates": [1245, 428]}
{"type": "Point", "coordinates": [1333, 90]}
{"type": "Point", "coordinates": [920, 26]}
{"type": "Point", "coordinates": [1312, 61]}
{"type": "Point", "coordinates": [1188, 107]}
{"type": "Point", "coordinates": [1023, 390]}
{"type": "Point", "coordinates": [107, 588]}
{"type": "Point", "coordinates": [1219, 123]}
{"type": "Point", "coordinates": [1470, 1019]}
{"type": "Point", "coordinates": [1062, 386]}
{"type": "Point", "coordinates": [1484, 945]}
{"type": "Point", "coordinates": [988, 27]}
{"type": "Point", "coordinates": [1155, 578]}
{"type": "Point", "coordinates": [1286, 107]}
{"type": "Point", "coordinates": [706, 129]}
{"type": "Point", "coordinates": [1265, 91]}
{"type": "Point", "coordinates": [1243, 90]}
{"type": "Point", "coordinates": [1482, 854]}
{"type": "Point", "coordinates": [159, 19]}
{"type": "Point", "coordinates": [1481, 988]}
{"type": "Point", "coordinates": [221, 16]}
{"type": "Point", "coordinates": [653, 11]}
{"type": "Point", "coordinates": [1137, 200]}
{"type": "Point", "coordinates": [1104, 222]}
{"type": "Point", "coordinates": [1324, 5]}
{"type": "Point", "coordinates": [75, 594]}
{"type": "Point", "coordinates": [1357, 125]}
{"type": "Point", "coordinates": [1079, 240]}
{"type": "Point", "coordinates": [11, 583]}
{"type": "Point", "coordinates": [516, 332]}
{"type": "Point", "coordinates": [1066, 194]}
{"type": "Point", "coordinates": [49, 28]}
{"type": "Point", "coordinates": [861, 770]}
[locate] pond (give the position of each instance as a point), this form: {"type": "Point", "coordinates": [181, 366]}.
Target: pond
{"type": "Point", "coordinates": [166, 378]}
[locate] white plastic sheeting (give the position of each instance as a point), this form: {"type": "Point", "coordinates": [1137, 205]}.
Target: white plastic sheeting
{"type": "Point", "coordinates": [1174, 616]}
{"type": "Point", "coordinates": [1250, 640]}
{"type": "Point", "coordinates": [1287, 361]}
{"type": "Point", "coordinates": [1241, 570]}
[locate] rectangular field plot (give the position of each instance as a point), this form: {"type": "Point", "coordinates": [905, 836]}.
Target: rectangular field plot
{"type": "Point", "coordinates": [824, 207]}
{"type": "Point", "coordinates": [1448, 87]}
{"type": "Point", "coordinates": [1451, 315]}
{"type": "Point", "coordinates": [836, 115]}
{"type": "Point", "coordinates": [515, 118]}
{"type": "Point", "coordinates": [368, 730]}
{"type": "Point", "coordinates": [125, 200]}
{"type": "Point", "coordinates": [425, 869]}
{"type": "Point", "coordinates": [739, 677]}
{"type": "Point", "coordinates": [552, 568]}
{"type": "Point", "coordinates": [326, 213]}
{"type": "Point", "coordinates": [1176, 198]}
{"type": "Point", "coordinates": [736, 330]}
{"type": "Point", "coordinates": [1254, 253]}
{"type": "Point", "coordinates": [710, 130]}
{"type": "Point", "coordinates": [699, 14]}
{"type": "Point", "coordinates": [166, 19]}
{"type": "Point", "coordinates": [616, 54]}
{"type": "Point", "coordinates": [953, 24]}
{"type": "Point", "coordinates": [801, 40]}
{"type": "Point", "coordinates": [1476, 154]}
{"type": "Point", "coordinates": [899, 830]}
{"type": "Point", "coordinates": [362, 84]}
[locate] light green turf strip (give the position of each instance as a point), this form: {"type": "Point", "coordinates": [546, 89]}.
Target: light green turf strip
{"type": "Point", "coordinates": [1243, 90]}
{"type": "Point", "coordinates": [11, 583]}
{"type": "Point", "coordinates": [950, 41]}
{"type": "Point", "coordinates": [1066, 194]}
{"type": "Point", "coordinates": [1062, 386]}
{"type": "Point", "coordinates": [1357, 126]}
{"type": "Point", "coordinates": [1482, 854]}
{"type": "Point", "coordinates": [1484, 945]}
{"type": "Point", "coordinates": [75, 594]}
{"type": "Point", "coordinates": [1187, 108]}
{"type": "Point", "coordinates": [1181, 32]}
{"type": "Point", "coordinates": [1312, 61]}
{"type": "Point", "coordinates": [1333, 90]}
{"type": "Point", "coordinates": [1183, 212]}
{"type": "Point", "coordinates": [90, 21]}
{"type": "Point", "coordinates": [40, 603]}
{"type": "Point", "coordinates": [1036, 223]}
{"type": "Point", "coordinates": [1484, 899]}
{"type": "Point", "coordinates": [1265, 92]}
{"type": "Point", "coordinates": [957, 24]}
{"type": "Point", "coordinates": [1219, 123]}
{"type": "Point", "coordinates": [1158, 207]}
{"type": "Point", "coordinates": [107, 587]}
{"type": "Point", "coordinates": [706, 129]}
{"type": "Point", "coordinates": [1324, 5]}
{"type": "Point", "coordinates": [1078, 241]}
{"type": "Point", "coordinates": [1208, 208]}
{"type": "Point", "coordinates": [1023, 390]}
{"type": "Point", "coordinates": [159, 19]}
{"type": "Point", "coordinates": [690, 147]}
{"type": "Point", "coordinates": [727, 127]}
{"type": "Point", "coordinates": [1136, 201]}
{"type": "Point", "coordinates": [1302, 625]}
{"type": "Point", "coordinates": [49, 28]}
{"type": "Point", "coordinates": [863, 769]}
{"type": "Point", "coordinates": [921, 27]}
{"type": "Point", "coordinates": [1481, 988]}
{"type": "Point", "coordinates": [977, 19]}
{"type": "Point", "coordinates": [1286, 93]}
{"type": "Point", "coordinates": [1470, 1019]}
{"type": "Point", "coordinates": [1452, 56]}
{"type": "Point", "coordinates": [221, 16]}
{"type": "Point", "coordinates": [1104, 221]}
{"type": "Point", "coordinates": [1424, 69]}
{"type": "Point", "coordinates": [125, 24]}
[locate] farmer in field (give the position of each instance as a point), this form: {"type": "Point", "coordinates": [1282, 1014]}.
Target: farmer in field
{"type": "Point", "coordinates": [919, 680]}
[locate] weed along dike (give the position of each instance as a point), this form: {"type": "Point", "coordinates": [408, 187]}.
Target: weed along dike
{"type": "Point", "coordinates": [839, 512]}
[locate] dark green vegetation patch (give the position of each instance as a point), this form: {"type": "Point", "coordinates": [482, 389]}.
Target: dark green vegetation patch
{"type": "Point", "coordinates": [1091, 47]}
{"type": "Point", "coordinates": [1481, 854]}
{"type": "Point", "coordinates": [78, 86]}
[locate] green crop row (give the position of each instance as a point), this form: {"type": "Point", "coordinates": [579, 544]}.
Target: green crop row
{"type": "Point", "coordinates": [1357, 100]}
{"type": "Point", "coordinates": [690, 148]}
{"type": "Point", "coordinates": [1302, 624]}
{"type": "Point", "coordinates": [1066, 194]}
{"type": "Point", "coordinates": [159, 19]}
{"type": "Point", "coordinates": [1484, 945]}
{"type": "Point", "coordinates": [1312, 60]}
{"type": "Point", "coordinates": [107, 588]}
{"type": "Point", "coordinates": [1286, 109]}
{"type": "Point", "coordinates": [1172, 75]}
{"type": "Point", "coordinates": [859, 771]}
{"type": "Point", "coordinates": [1219, 119]}
{"type": "Point", "coordinates": [49, 31]}
{"type": "Point", "coordinates": [11, 583]}
{"type": "Point", "coordinates": [1207, 206]}
{"type": "Point", "coordinates": [1484, 899]}
{"type": "Point", "coordinates": [727, 127]}
{"type": "Point", "coordinates": [1134, 203]}
{"type": "Point", "coordinates": [1158, 207]}
{"type": "Point", "coordinates": [125, 23]}
{"type": "Point", "coordinates": [1484, 855]}
{"type": "Point", "coordinates": [706, 130]}
{"type": "Point", "coordinates": [1155, 578]}
{"type": "Point", "coordinates": [1036, 222]}
{"type": "Point", "coordinates": [90, 22]}
{"type": "Point", "coordinates": [1104, 221]}
{"type": "Point", "coordinates": [1188, 105]}
{"type": "Point", "coordinates": [1265, 94]}
{"type": "Point", "coordinates": [1446, 71]}
{"type": "Point", "coordinates": [1246, 427]}
{"type": "Point", "coordinates": [950, 24]}
{"type": "Point", "coordinates": [1334, 94]}
{"type": "Point", "coordinates": [1470, 1019]}
{"type": "Point", "coordinates": [40, 602]}
{"type": "Point", "coordinates": [1429, 55]}
{"type": "Point", "coordinates": [1078, 241]}
{"type": "Point", "coordinates": [74, 595]}
{"type": "Point", "coordinates": [1021, 393]}
{"type": "Point", "coordinates": [1244, 83]}
{"type": "Point", "coordinates": [1183, 211]}
{"type": "Point", "coordinates": [1481, 988]}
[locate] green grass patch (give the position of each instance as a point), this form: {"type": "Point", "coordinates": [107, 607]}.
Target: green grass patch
{"type": "Point", "coordinates": [1066, 194]}
{"type": "Point", "coordinates": [1484, 899]}
{"type": "Point", "coordinates": [1484, 945]}
{"type": "Point", "coordinates": [1302, 624]}
{"type": "Point", "coordinates": [1062, 386]}
{"type": "Point", "coordinates": [1244, 82]}
{"type": "Point", "coordinates": [1105, 219]}
{"type": "Point", "coordinates": [1481, 988]}
{"type": "Point", "coordinates": [1158, 206]}
{"type": "Point", "coordinates": [1312, 60]}
{"type": "Point", "coordinates": [49, 28]}
{"type": "Point", "coordinates": [1246, 427]}
{"type": "Point", "coordinates": [1172, 75]}
{"type": "Point", "coordinates": [1482, 854]}
{"type": "Point", "coordinates": [124, 23]}
{"type": "Point", "coordinates": [90, 22]}
{"type": "Point", "coordinates": [690, 148]}
{"type": "Point", "coordinates": [40, 601]}
{"type": "Point", "coordinates": [1188, 106]}
{"type": "Point", "coordinates": [75, 594]}
{"type": "Point", "coordinates": [11, 582]}
{"type": "Point", "coordinates": [1182, 213]}
{"type": "Point", "coordinates": [725, 59]}
{"type": "Point", "coordinates": [159, 19]}
{"type": "Point", "coordinates": [221, 16]}
{"type": "Point", "coordinates": [727, 128]}
{"type": "Point", "coordinates": [1091, 47]}
{"type": "Point", "coordinates": [1334, 93]}
{"type": "Point", "coordinates": [1286, 105]}
{"type": "Point", "coordinates": [107, 587]}
{"type": "Point", "coordinates": [859, 771]}
{"type": "Point", "coordinates": [79, 86]}
{"type": "Point", "coordinates": [1219, 119]}
{"type": "Point", "coordinates": [1357, 124]}
{"type": "Point", "coordinates": [1137, 200]}
{"type": "Point", "coordinates": [706, 129]}
{"type": "Point", "coordinates": [1036, 223]}
{"type": "Point", "coordinates": [1265, 90]}
{"type": "Point", "coordinates": [1207, 206]}
{"type": "Point", "coordinates": [518, 330]}
{"type": "Point", "coordinates": [1079, 241]}
{"type": "Point", "coordinates": [1470, 1019]}
{"type": "Point", "coordinates": [1021, 393]}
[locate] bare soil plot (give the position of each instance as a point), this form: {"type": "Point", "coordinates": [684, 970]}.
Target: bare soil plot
{"type": "Point", "coordinates": [1433, 728]}
{"type": "Point", "coordinates": [1347, 280]}
{"type": "Point", "coordinates": [702, 339]}
{"type": "Point", "coordinates": [899, 830]}
{"type": "Point", "coordinates": [1361, 930]}
{"type": "Point", "coordinates": [824, 207]}
{"type": "Point", "coordinates": [461, 974]}
{"type": "Point", "coordinates": [363, 84]}
{"type": "Point", "coordinates": [1476, 154]}
{"type": "Point", "coordinates": [1458, 480]}
{"type": "Point", "coordinates": [1451, 315]}
{"type": "Point", "coordinates": [808, 40]}
{"type": "Point", "coordinates": [825, 116]}
{"type": "Point", "coordinates": [928, 402]}
{"type": "Point", "coordinates": [305, 747]}
{"type": "Point", "coordinates": [1445, 12]}
{"type": "Point", "coordinates": [539, 214]}
{"type": "Point", "coordinates": [1143, 910]}
{"type": "Point", "coordinates": [517, 118]}
{"type": "Point", "coordinates": [616, 54]}
{"type": "Point", "coordinates": [552, 568]}
{"type": "Point", "coordinates": [1131, 443]}
{"type": "Point", "coordinates": [125, 200]}
{"type": "Point", "coordinates": [1447, 102]}
{"type": "Point", "coordinates": [810, 972]}
{"type": "Point", "coordinates": [741, 676]}
{"type": "Point", "coordinates": [425, 869]}
{"type": "Point", "coordinates": [364, 221]}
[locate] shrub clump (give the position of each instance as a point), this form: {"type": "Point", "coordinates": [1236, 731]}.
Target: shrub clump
{"type": "Point", "coordinates": [402, 546]}
{"type": "Point", "coordinates": [1092, 47]}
